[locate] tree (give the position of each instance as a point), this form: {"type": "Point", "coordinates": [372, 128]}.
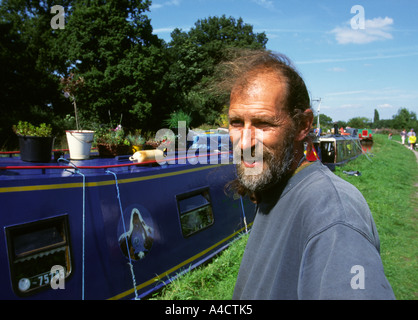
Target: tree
{"type": "Point", "coordinates": [27, 85]}
{"type": "Point", "coordinates": [405, 119]}
{"type": "Point", "coordinates": [324, 121]}
{"type": "Point", "coordinates": [193, 57]}
{"type": "Point", "coordinates": [111, 45]}
{"type": "Point", "coordinates": [127, 70]}
{"type": "Point", "coordinates": [359, 122]}
{"type": "Point", "coordinates": [342, 124]}
{"type": "Point", "coordinates": [376, 117]}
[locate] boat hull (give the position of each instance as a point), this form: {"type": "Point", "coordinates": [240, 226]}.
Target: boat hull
{"type": "Point", "coordinates": [336, 150]}
{"type": "Point", "coordinates": [117, 233]}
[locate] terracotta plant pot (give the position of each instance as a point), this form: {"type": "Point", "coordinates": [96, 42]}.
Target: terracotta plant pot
{"type": "Point", "coordinates": [111, 150]}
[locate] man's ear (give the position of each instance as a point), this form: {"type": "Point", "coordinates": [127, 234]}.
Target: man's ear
{"type": "Point", "coordinates": [305, 125]}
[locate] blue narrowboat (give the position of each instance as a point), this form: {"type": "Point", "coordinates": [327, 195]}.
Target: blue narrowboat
{"type": "Point", "coordinates": [110, 228]}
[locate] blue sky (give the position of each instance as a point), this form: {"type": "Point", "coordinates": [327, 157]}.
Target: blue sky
{"type": "Point", "coordinates": [354, 65]}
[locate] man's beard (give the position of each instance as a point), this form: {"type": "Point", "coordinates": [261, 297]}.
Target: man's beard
{"type": "Point", "coordinates": [275, 169]}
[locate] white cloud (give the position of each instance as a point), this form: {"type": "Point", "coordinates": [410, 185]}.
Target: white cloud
{"type": "Point", "coordinates": [375, 57]}
{"type": "Point", "coordinates": [268, 4]}
{"type": "Point", "coordinates": [164, 30]}
{"type": "Point", "coordinates": [155, 6]}
{"type": "Point", "coordinates": [378, 23]}
{"type": "Point", "coordinates": [376, 29]}
{"type": "Point", "coordinates": [169, 29]}
{"type": "Point", "coordinates": [337, 69]}
{"type": "Point", "coordinates": [344, 93]}
{"type": "Point", "coordinates": [385, 106]}
{"type": "Point", "coordinates": [350, 106]}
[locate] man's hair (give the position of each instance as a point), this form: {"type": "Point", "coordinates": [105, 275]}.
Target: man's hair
{"type": "Point", "coordinates": [246, 63]}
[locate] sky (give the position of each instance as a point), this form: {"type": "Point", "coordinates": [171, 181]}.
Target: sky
{"type": "Point", "coordinates": [355, 56]}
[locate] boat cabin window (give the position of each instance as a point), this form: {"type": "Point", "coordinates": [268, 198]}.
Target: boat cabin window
{"type": "Point", "coordinates": [195, 210]}
{"type": "Point", "coordinates": [39, 254]}
{"type": "Point", "coordinates": [328, 152]}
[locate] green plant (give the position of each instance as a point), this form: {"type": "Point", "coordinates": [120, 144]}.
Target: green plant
{"type": "Point", "coordinates": [24, 128]}
{"type": "Point", "coordinates": [215, 280]}
{"type": "Point", "coordinates": [223, 120]}
{"type": "Point", "coordinates": [69, 87]}
{"type": "Point", "coordinates": [176, 117]}
{"type": "Point", "coordinates": [107, 135]}
{"type": "Point", "coordinates": [387, 183]}
{"type": "Point", "coordinates": [135, 140]}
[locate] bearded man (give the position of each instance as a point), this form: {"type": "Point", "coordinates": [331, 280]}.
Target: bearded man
{"type": "Point", "coordinates": [313, 236]}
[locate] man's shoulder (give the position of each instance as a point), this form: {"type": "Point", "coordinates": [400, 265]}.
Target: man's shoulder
{"type": "Point", "coordinates": [322, 199]}
{"type": "Point", "coordinates": [318, 180]}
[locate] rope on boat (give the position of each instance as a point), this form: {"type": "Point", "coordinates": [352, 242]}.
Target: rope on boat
{"type": "Point", "coordinates": [358, 144]}
{"type": "Point", "coordinates": [124, 230]}
{"type": "Point", "coordinates": [84, 230]}
{"type": "Point", "coordinates": [77, 171]}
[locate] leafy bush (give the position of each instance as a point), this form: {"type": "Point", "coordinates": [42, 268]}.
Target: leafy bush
{"type": "Point", "coordinates": [24, 128]}
{"type": "Point", "coordinates": [135, 139]}
{"type": "Point", "coordinates": [176, 117]}
{"type": "Point", "coordinates": [109, 136]}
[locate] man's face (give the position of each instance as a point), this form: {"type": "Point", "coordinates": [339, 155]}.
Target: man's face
{"type": "Point", "coordinates": [258, 121]}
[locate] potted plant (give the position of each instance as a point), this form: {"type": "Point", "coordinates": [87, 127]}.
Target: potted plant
{"type": "Point", "coordinates": [176, 123]}
{"type": "Point", "coordinates": [79, 141]}
{"type": "Point", "coordinates": [136, 141]}
{"type": "Point", "coordinates": [35, 142]}
{"type": "Point", "coordinates": [151, 144]}
{"type": "Point", "coordinates": [112, 142]}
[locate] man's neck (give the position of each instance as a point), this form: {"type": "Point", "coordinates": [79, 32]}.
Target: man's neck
{"type": "Point", "coordinates": [298, 164]}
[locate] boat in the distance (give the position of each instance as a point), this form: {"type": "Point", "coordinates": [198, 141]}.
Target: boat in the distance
{"type": "Point", "coordinates": [366, 135]}
{"type": "Point", "coordinates": [338, 148]}
{"type": "Point", "coordinates": [110, 228]}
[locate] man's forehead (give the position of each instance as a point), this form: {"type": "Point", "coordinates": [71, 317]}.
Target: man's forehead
{"type": "Point", "coordinates": [262, 92]}
{"type": "Point", "coordinates": [258, 84]}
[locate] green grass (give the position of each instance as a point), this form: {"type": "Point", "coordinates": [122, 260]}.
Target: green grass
{"type": "Point", "coordinates": [214, 281]}
{"type": "Point", "coordinates": [387, 182]}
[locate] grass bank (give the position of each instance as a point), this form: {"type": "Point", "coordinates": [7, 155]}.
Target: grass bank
{"type": "Point", "coordinates": [387, 182]}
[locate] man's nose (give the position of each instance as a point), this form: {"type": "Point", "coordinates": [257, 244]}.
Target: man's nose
{"type": "Point", "coordinates": [247, 138]}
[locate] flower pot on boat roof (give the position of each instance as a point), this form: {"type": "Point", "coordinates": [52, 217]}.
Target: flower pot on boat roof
{"type": "Point", "coordinates": [136, 141]}
{"type": "Point", "coordinates": [79, 141]}
{"type": "Point", "coordinates": [112, 142]}
{"type": "Point", "coordinates": [113, 150]}
{"type": "Point", "coordinates": [35, 143]}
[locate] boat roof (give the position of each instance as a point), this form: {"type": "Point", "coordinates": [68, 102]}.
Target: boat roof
{"type": "Point", "coordinates": [333, 137]}
{"type": "Point", "coordinates": [12, 167]}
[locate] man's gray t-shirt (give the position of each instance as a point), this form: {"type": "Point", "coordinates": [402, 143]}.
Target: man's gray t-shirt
{"type": "Point", "coordinates": [315, 240]}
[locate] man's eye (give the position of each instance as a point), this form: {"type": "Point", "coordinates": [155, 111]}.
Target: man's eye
{"type": "Point", "coordinates": [262, 125]}
{"type": "Point", "coordinates": [235, 123]}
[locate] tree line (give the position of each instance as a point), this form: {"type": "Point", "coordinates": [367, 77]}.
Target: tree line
{"type": "Point", "coordinates": [129, 74]}
{"type": "Point", "coordinates": [403, 119]}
